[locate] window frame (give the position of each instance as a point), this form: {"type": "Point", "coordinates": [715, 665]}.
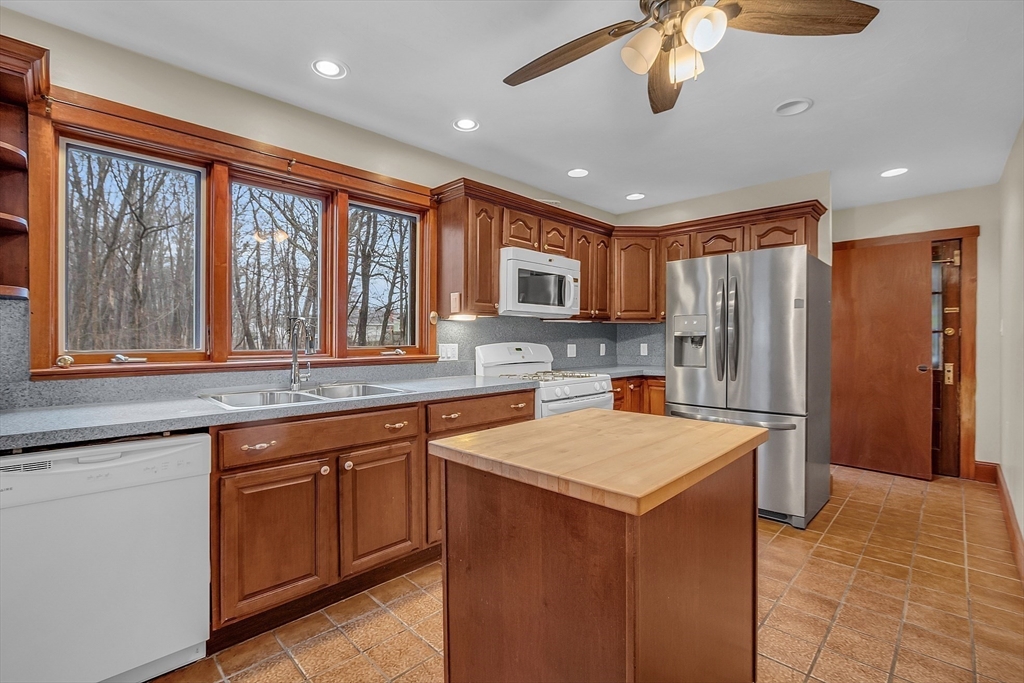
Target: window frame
{"type": "Point", "coordinates": [92, 122]}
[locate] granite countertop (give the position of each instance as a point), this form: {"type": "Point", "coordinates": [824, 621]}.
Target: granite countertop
{"type": "Point", "coordinates": [625, 461]}
{"type": "Point", "coordinates": [29, 427]}
{"type": "Point", "coordinates": [617, 371]}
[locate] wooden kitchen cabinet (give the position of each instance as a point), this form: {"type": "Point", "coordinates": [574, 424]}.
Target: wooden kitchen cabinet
{"type": "Point", "coordinates": [470, 233]}
{"type": "Point", "coordinates": [718, 241]}
{"type": "Point", "coordinates": [555, 238]}
{"type": "Point", "coordinates": [634, 401]}
{"type": "Point", "coordinates": [639, 394]}
{"type": "Point", "coordinates": [380, 503]}
{"type": "Point", "coordinates": [671, 248]}
{"type": "Point", "coordinates": [277, 536]}
{"type": "Point", "coordinates": [592, 250]}
{"type": "Point", "coordinates": [634, 278]}
{"type": "Point", "coordinates": [520, 230]}
{"type": "Point", "coordinates": [781, 233]}
{"type": "Point", "coordinates": [654, 396]}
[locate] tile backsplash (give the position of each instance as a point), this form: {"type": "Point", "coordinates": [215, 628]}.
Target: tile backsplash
{"type": "Point", "coordinates": [622, 346]}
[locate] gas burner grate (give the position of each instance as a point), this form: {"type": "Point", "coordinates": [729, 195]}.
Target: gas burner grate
{"type": "Point", "coordinates": [551, 376]}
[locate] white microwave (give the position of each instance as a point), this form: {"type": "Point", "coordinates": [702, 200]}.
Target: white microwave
{"type": "Point", "coordinates": [538, 285]}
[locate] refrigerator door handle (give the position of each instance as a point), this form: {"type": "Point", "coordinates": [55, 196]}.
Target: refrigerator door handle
{"type": "Point", "coordinates": [742, 423]}
{"type": "Point", "coordinates": [719, 330]}
{"type": "Point", "coordinates": [732, 330]}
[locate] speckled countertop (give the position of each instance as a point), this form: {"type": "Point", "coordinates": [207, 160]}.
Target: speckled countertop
{"type": "Point", "coordinates": [29, 427]}
{"type": "Point", "coordinates": [617, 371]}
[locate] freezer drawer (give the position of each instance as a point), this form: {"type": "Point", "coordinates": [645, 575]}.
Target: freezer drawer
{"type": "Point", "coordinates": [781, 463]}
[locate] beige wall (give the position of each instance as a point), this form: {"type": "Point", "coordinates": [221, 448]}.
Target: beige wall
{"type": "Point", "coordinates": [978, 206]}
{"type": "Point", "coordinates": [1011, 191]}
{"type": "Point", "coordinates": [813, 186]}
{"type": "Point", "coordinates": [97, 68]}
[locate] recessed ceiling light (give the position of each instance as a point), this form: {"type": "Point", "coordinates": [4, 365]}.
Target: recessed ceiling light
{"type": "Point", "coordinates": [329, 69]}
{"type": "Point", "coordinates": [635, 196]}
{"type": "Point", "coordinates": [893, 172]}
{"type": "Point", "coordinates": [794, 107]}
{"type": "Point", "coordinates": [578, 172]}
{"type": "Point", "coordinates": [465, 125]}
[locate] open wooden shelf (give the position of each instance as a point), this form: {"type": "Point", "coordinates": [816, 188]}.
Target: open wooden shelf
{"type": "Point", "coordinates": [9, 292]}
{"type": "Point", "coordinates": [11, 223]}
{"type": "Point", "coordinates": [12, 157]}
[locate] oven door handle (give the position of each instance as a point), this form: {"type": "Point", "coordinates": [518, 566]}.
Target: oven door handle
{"type": "Point", "coordinates": [742, 423]}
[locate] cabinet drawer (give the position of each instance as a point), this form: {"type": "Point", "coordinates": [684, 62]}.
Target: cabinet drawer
{"type": "Point", "coordinates": [442, 417]}
{"type": "Point", "coordinates": [248, 445]}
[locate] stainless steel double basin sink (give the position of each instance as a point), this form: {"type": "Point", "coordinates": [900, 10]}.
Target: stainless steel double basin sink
{"type": "Point", "coordinates": [281, 397]}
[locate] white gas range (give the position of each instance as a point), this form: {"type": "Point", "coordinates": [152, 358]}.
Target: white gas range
{"type": "Point", "coordinates": [559, 391]}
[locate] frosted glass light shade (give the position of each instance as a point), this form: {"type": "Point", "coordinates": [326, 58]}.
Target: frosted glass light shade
{"type": "Point", "coordinates": [684, 63]}
{"type": "Point", "coordinates": [642, 49]}
{"type": "Point", "coordinates": [704, 26]}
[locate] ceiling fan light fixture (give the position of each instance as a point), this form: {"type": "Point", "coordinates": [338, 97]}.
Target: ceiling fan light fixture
{"type": "Point", "coordinates": [642, 49]}
{"type": "Point", "coordinates": [704, 26]}
{"type": "Point", "coordinates": [684, 63]}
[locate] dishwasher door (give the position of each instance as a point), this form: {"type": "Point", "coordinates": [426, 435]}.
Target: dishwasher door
{"type": "Point", "coordinates": [104, 560]}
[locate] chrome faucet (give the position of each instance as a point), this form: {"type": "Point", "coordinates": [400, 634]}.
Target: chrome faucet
{"type": "Point", "coordinates": [294, 324]}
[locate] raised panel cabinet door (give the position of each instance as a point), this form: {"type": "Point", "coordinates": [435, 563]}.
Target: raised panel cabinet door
{"type": "Point", "coordinates": [485, 220]}
{"type": "Point", "coordinates": [555, 238]}
{"type": "Point", "coordinates": [786, 233]}
{"type": "Point", "coordinates": [654, 396]}
{"type": "Point", "coordinates": [381, 505]}
{"type": "Point", "coordinates": [721, 241]}
{"type": "Point", "coordinates": [521, 230]}
{"type": "Point", "coordinates": [276, 536]}
{"type": "Point", "coordinates": [600, 280]}
{"type": "Point", "coordinates": [676, 247]}
{"type": "Point", "coordinates": [583, 251]}
{"type": "Point", "coordinates": [634, 260]}
{"type": "Point", "coordinates": [620, 391]}
{"type": "Point", "coordinates": [634, 401]}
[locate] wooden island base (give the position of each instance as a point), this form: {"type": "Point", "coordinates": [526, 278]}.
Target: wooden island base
{"type": "Point", "coordinates": [541, 586]}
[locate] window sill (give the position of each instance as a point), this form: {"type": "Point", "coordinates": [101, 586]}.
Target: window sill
{"type": "Point", "coordinates": [147, 369]}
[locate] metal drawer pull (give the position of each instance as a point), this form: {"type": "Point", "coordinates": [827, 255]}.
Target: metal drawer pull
{"type": "Point", "coordinates": [258, 446]}
{"type": "Point", "coordinates": [450, 417]}
{"type": "Point", "coordinates": [742, 423]}
{"type": "Point", "coordinates": [518, 406]}
{"type": "Point", "coordinates": [617, 389]}
{"type": "Point", "coordinates": [325, 470]}
{"type": "Point", "coordinates": [348, 465]}
{"type": "Point", "coordinates": [397, 425]}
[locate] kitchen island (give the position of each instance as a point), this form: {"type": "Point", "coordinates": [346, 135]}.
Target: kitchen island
{"type": "Point", "coordinates": [600, 546]}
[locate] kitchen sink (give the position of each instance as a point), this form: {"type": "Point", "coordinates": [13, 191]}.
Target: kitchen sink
{"type": "Point", "coordinates": [357, 390]}
{"type": "Point", "coordinates": [261, 399]}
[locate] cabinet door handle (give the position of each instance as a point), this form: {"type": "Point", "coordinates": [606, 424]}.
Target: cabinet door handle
{"type": "Point", "coordinates": [617, 389]}
{"type": "Point", "coordinates": [451, 417]}
{"type": "Point", "coordinates": [325, 470]}
{"type": "Point", "coordinates": [258, 446]}
{"type": "Point", "coordinates": [518, 406]}
{"type": "Point", "coordinates": [631, 386]}
{"type": "Point", "coordinates": [397, 425]}
{"type": "Point", "coordinates": [349, 465]}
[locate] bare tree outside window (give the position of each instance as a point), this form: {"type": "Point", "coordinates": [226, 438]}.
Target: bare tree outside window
{"type": "Point", "coordinates": [275, 265]}
{"type": "Point", "coordinates": [131, 249]}
{"type": "Point", "coordinates": [381, 281]}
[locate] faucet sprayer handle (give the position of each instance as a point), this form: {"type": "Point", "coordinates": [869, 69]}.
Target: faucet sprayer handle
{"type": "Point", "coordinates": [303, 376]}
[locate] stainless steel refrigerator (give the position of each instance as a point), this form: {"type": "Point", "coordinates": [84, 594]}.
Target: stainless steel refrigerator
{"type": "Point", "coordinates": [748, 341]}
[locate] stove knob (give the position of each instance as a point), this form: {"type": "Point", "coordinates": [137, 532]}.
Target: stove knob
{"type": "Point", "coordinates": [604, 385]}
{"type": "Point", "coordinates": [558, 391]}
{"type": "Point", "coordinates": [597, 386]}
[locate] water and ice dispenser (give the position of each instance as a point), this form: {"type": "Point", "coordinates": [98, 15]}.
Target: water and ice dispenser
{"type": "Point", "coordinates": [691, 336]}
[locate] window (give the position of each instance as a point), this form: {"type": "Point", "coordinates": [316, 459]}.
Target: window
{"type": "Point", "coordinates": [381, 278]}
{"type": "Point", "coordinates": [275, 269]}
{"type": "Point", "coordinates": [131, 241]}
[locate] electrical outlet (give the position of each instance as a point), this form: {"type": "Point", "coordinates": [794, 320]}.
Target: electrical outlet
{"type": "Point", "coordinates": [570, 351]}
{"type": "Point", "coordinates": [643, 349]}
{"type": "Point", "coordinates": [602, 349]}
{"type": "Point", "coordinates": [447, 352]}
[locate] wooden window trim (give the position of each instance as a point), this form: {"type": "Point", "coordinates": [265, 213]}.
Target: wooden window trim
{"type": "Point", "coordinates": [226, 158]}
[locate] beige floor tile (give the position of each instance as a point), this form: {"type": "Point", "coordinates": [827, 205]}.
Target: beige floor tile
{"type": "Point", "coordinates": [998, 599]}
{"type": "Point", "coordinates": [323, 652]}
{"type": "Point", "coordinates": [831, 570]}
{"type": "Point", "coordinates": [797, 623]}
{"type": "Point", "coordinates": [811, 603]}
{"type": "Point", "coordinates": [203, 671]}
{"type": "Point", "coordinates": [399, 653]}
{"type": "Point", "coordinates": [999, 639]}
{"type": "Point", "coordinates": [879, 583]}
{"type": "Point", "coordinates": [999, 583]}
{"type": "Point", "coordinates": [940, 554]}
{"type": "Point", "coordinates": [822, 552]}
{"type": "Point", "coordinates": [877, 552]}
{"type": "Point", "coordinates": [372, 628]}
{"type": "Point", "coordinates": [949, 650]}
{"type": "Point", "coordinates": [764, 606]}
{"type": "Point", "coordinates": [864, 649]}
{"type": "Point", "coordinates": [955, 604]}
{"type": "Point", "coordinates": [244, 655]}
{"type": "Point", "coordinates": [346, 610]}
{"type": "Point", "coordinates": [431, 630]}
{"type": "Point", "coordinates": [392, 590]}
{"type": "Point", "coordinates": [921, 669]}
{"type": "Point", "coordinates": [303, 629]}
{"type": "Point", "coordinates": [833, 667]}
{"type": "Point", "coordinates": [868, 623]}
{"type": "Point", "coordinates": [940, 542]}
{"type": "Point", "coordinates": [999, 665]}
{"type": "Point", "coordinates": [770, 671]}
{"type": "Point", "coordinates": [414, 607]}
{"type": "Point", "coordinates": [424, 576]}
{"type": "Point", "coordinates": [999, 618]}
{"type": "Point", "coordinates": [837, 542]}
{"type": "Point", "coordinates": [875, 602]}
{"type": "Point", "coordinates": [1008, 571]}
{"type": "Point", "coordinates": [822, 585]}
{"type": "Point", "coordinates": [893, 571]}
{"type": "Point", "coordinates": [430, 671]}
{"type": "Point", "coordinates": [988, 553]}
{"type": "Point", "coordinates": [770, 588]}
{"type": "Point", "coordinates": [786, 649]}
{"type": "Point", "coordinates": [359, 669]}
{"type": "Point", "coordinates": [950, 571]}
{"type": "Point", "coordinates": [278, 669]}
{"type": "Point", "coordinates": [436, 589]}
{"type": "Point", "coordinates": [939, 622]}
{"type": "Point", "coordinates": [935, 582]}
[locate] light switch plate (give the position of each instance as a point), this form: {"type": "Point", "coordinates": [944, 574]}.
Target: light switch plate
{"type": "Point", "coordinates": [570, 351]}
{"type": "Point", "coordinates": [602, 349]}
{"type": "Point", "coordinates": [447, 352]}
{"type": "Point", "coordinates": [643, 349]}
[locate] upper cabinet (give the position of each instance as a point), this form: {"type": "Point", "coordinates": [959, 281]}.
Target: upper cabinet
{"type": "Point", "coordinates": [634, 278]}
{"type": "Point", "coordinates": [782, 233]}
{"type": "Point", "coordinates": [718, 241]}
{"type": "Point", "coordinates": [555, 238]}
{"type": "Point", "coordinates": [469, 240]}
{"type": "Point", "coordinates": [592, 250]}
{"type": "Point", "coordinates": [676, 247]}
{"type": "Point", "coordinates": [520, 230]}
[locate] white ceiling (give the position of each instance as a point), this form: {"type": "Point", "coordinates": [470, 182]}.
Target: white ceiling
{"type": "Point", "coordinates": [935, 86]}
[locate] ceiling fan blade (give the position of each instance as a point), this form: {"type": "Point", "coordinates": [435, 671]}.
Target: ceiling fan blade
{"type": "Point", "coordinates": [660, 90]}
{"type": "Point", "coordinates": [798, 17]}
{"type": "Point", "coordinates": [573, 50]}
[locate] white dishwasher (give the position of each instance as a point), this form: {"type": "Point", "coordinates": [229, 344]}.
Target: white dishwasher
{"type": "Point", "coordinates": [104, 560]}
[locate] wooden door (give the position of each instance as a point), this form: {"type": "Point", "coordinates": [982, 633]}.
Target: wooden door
{"type": "Point", "coordinates": [654, 396]}
{"type": "Point", "coordinates": [276, 536]}
{"type": "Point", "coordinates": [583, 251]}
{"type": "Point", "coordinates": [521, 230]}
{"type": "Point", "coordinates": [381, 507]}
{"type": "Point", "coordinates": [881, 358]}
{"type": "Point", "coordinates": [620, 389]}
{"type": "Point", "coordinates": [720, 241]}
{"type": "Point", "coordinates": [485, 221]}
{"type": "Point", "coordinates": [600, 280]}
{"type": "Point", "coordinates": [555, 238]}
{"type": "Point", "coordinates": [769, 234]}
{"type": "Point", "coordinates": [634, 401]}
{"type": "Point", "coordinates": [634, 288]}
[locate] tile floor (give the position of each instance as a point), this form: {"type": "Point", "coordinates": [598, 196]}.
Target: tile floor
{"type": "Point", "coordinates": [896, 580]}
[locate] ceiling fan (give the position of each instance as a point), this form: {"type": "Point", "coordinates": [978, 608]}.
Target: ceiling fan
{"type": "Point", "coordinates": [669, 49]}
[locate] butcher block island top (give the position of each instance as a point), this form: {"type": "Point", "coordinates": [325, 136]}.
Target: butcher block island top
{"type": "Point", "coordinates": [630, 462]}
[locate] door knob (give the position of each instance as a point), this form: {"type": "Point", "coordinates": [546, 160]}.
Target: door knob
{"type": "Point", "coordinates": [922, 368]}
{"type": "Point", "coordinates": [348, 465]}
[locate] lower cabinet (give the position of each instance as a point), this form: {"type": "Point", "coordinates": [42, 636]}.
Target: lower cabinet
{"type": "Point", "coordinates": [278, 535]}
{"type": "Point", "coordinates": [379, 496]}
{"type": "Point", "coordinates": [639, 394]}
{"type": "Point", "coordinates": [654, 396]}
{"type": "Point", "coordinates": [634, 401]}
